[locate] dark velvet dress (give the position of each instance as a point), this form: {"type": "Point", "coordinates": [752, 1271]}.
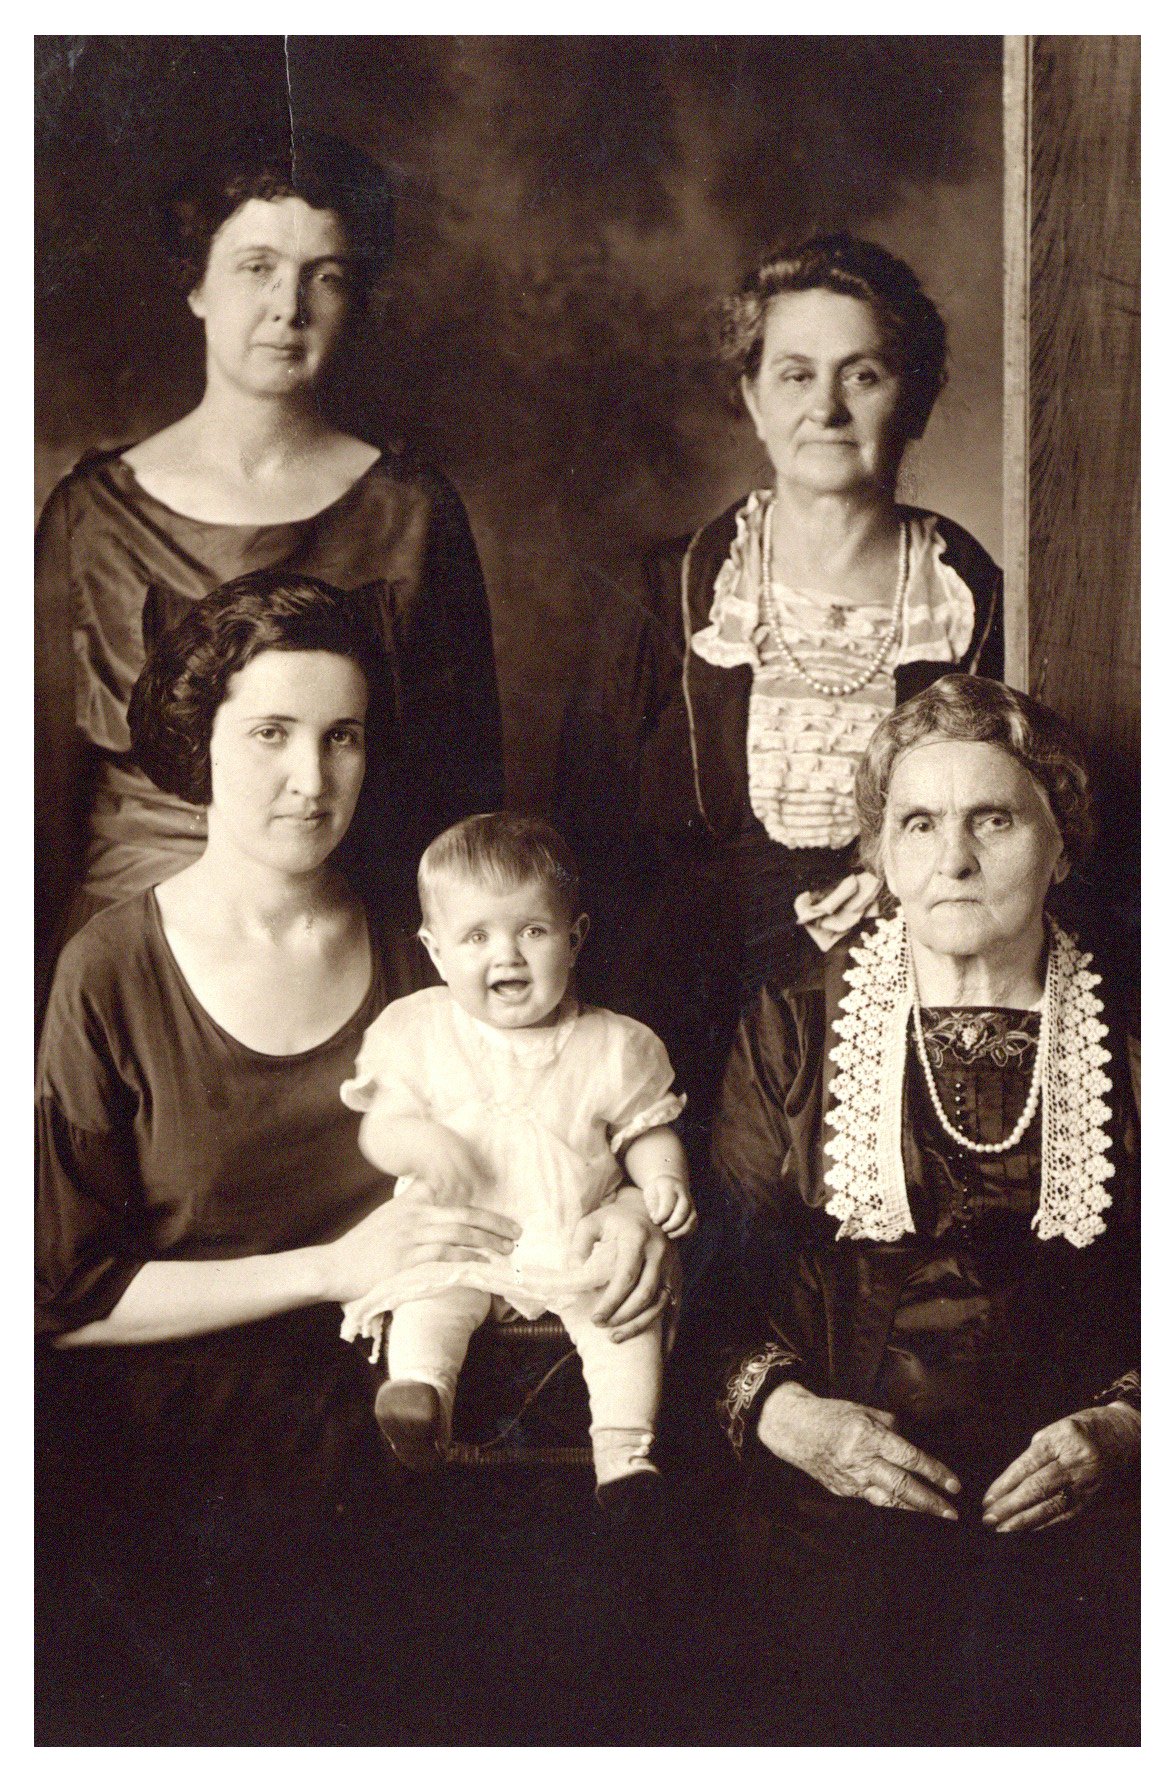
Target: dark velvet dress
{"type": "Point", "coordinates": [973, 1332]}
{"type": "Point", "coordinates": [161, 1137]}
{"type": "Point", "coordinates": [691, 899]}
{"type": "Point", "coordinates": [108, 553]}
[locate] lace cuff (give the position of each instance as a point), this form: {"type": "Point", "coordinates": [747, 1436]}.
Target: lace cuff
{"type": "Point", "coordinates": [1124, 1391]}
{"type": "Point", "coordinates": [749, 1384]}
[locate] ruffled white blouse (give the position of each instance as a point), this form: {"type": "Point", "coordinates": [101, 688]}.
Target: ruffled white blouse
{"type": "Point", "coordinates": [803, 747]}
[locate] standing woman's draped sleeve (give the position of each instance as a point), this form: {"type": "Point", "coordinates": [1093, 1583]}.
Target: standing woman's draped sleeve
{"type": "Point", "coordinates": [452, 730]}
{"type": "Point", "coordinates": [61, 755]}
{"type": "Point", "coordinates": [630, 674]}
{"type": "Point", "coordinates": [664, 944]}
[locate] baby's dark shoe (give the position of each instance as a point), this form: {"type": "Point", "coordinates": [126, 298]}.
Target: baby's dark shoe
{"type": "Point", "coordinates": [635, 1500]}
{"type": "Point", "coordinates": [632, 1550]}
{"type": "Point", "coordinates": [412, 1422]}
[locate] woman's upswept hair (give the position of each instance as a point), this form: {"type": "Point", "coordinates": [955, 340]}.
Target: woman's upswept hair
{"type": "Point", "coordinates": [502, 849]}
{"type": "Point", "coordinates": [968, 708]}
{"type": "Point", "coordinates": [912, 327]}
{"type": "Point", "coordinates": [327, 173]}
{"type": "Point", "coordinates": [189, 665]}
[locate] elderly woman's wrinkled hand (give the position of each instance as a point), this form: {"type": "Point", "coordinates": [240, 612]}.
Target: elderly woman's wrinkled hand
{"type": "Point", "coordinates": [854, 1452]}
{"type": "Point", "coordinates": [1063, 1468]}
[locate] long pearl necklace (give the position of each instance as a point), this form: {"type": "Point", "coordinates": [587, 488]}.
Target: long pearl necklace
{"type": "Point", "coordinates": [1030, 1108]}
{"type": "Point", "coordinates": [832, 689]}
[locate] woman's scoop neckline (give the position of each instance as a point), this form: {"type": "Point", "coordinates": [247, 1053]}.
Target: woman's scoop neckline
{"type": "Point", "coordinates": [274, 1059]}
{"type": "Point", "coordinates": [118, 461]}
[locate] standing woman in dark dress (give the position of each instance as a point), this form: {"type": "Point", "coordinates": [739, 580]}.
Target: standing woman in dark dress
{"type": "Point", "coordinates": [276, 252]}
{"type": "Point", "coordinates": [710, 748]}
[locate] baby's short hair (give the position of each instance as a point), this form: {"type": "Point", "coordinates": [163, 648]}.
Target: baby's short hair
{"type": "Point", "coordinates": [502, 849]}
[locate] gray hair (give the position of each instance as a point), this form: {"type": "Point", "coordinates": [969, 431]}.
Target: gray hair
{"type": "Point", "coordinates": [911, 325]}
{"type": "Point", "coordinates": [968, 708]}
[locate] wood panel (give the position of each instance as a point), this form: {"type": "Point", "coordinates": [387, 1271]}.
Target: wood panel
{"type": "Point", "coordinates": [1018, 71]}
{"type": "Point", "coordinates": [1084, 394]}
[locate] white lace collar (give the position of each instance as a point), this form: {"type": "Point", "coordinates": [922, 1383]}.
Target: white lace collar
{"type": "Point", "coordinates": [865, 1154]}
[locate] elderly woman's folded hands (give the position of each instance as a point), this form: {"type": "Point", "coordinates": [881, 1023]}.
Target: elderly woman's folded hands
{"type": "Point", "coordinates": [855, 1452]}
{"type": "Point", "coordinates": [1065, 1465]}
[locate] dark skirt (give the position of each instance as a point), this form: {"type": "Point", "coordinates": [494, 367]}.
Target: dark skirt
{"type": "Point", "coordinates": [227, 1554]}
{"type": "Point", "coordinates": [888, 1627]}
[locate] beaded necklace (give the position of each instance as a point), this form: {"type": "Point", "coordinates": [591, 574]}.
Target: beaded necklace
{"type": "Point", "coordinates": [831, 689]}
{"type": "Point", "coordinates": [865, 1172]}
{"type": "Point", "coordinates": [1039, 1063]}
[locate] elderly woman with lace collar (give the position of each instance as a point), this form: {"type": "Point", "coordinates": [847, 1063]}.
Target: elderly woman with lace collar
{"type": "Point", "coordinates": [930, 1147]}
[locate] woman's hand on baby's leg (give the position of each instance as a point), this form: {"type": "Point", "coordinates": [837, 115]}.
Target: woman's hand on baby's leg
{"type": "Point", "coordinates": [637, 1291]}
{"type": "Point", "coordinates": [399, 1235]}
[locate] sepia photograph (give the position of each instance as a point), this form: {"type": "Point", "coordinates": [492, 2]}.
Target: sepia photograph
{"type": "Point", "coordinates": [587, 890]}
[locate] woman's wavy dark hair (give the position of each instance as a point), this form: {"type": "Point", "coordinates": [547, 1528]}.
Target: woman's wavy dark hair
{"type": "Point", "coordinates": [968, 708]}
{"type": "Point", "coordinates": [912, 327]}
{"type": "Point", "coordinates": [190, 664]}
{"type": "Point", "coordinates": [327, 173]}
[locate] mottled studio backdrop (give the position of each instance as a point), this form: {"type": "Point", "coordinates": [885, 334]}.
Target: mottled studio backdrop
{"type": "Point", "coordinates": [571, 209]}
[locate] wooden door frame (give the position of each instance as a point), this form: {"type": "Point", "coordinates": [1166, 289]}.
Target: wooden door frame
{"type": "Point", "coordinates": [1018, 119]}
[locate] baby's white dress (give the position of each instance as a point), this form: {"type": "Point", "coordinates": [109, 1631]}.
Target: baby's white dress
{"type": "Point", "coordinates": [547, 1109]}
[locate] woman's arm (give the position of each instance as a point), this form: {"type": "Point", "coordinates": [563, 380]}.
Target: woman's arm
{"type": "Point", "coordinates": [165, 1300]}
{"type": "Point", "coordinates": [761, 1339]}
{"type": "Point", "coordinates": [1069, 1462]}
{"type": "Point", "coordinates": [451, 743]}
{"type": "Point", "coordinates": [63, 763]}
{"type": "Point", "coordinates": [778, 1344]}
